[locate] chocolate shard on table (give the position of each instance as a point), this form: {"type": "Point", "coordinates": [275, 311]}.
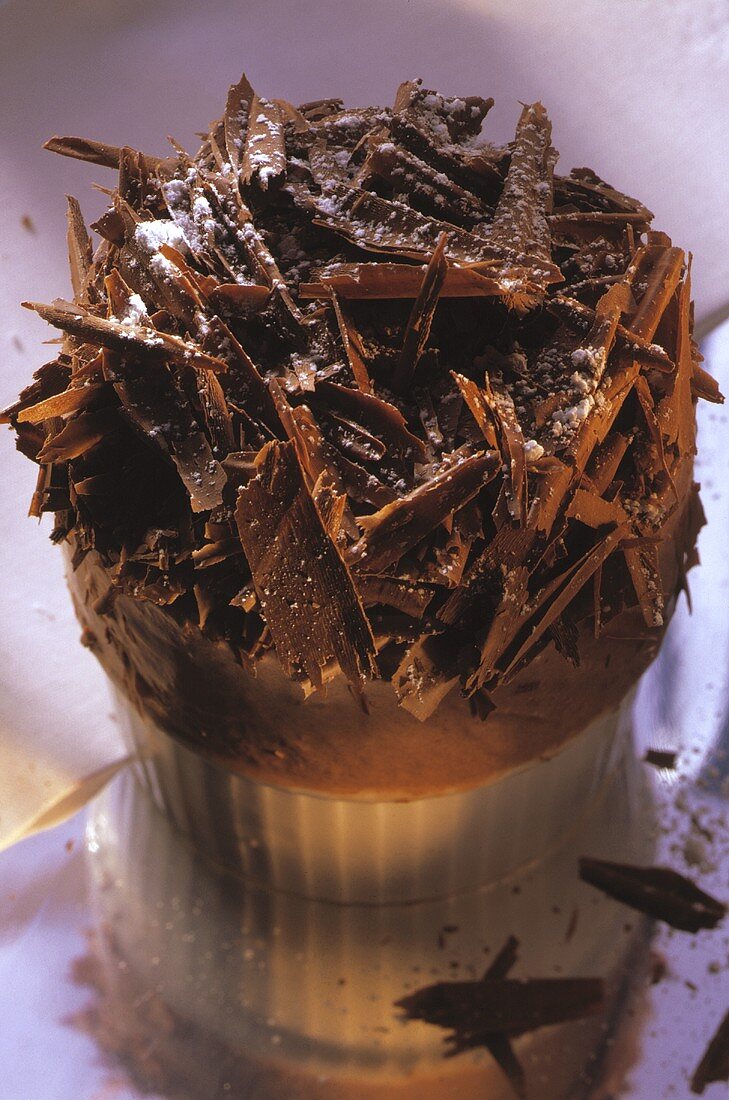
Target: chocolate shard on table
{"type": "Point", "coordinates": [657, 891]}
{"type": "Point", "coordinates": [491, 1011]}
{"type": "Point", "coordinates": [661, 758]}
{"type": "Point", "coordinates": [714, 1066]}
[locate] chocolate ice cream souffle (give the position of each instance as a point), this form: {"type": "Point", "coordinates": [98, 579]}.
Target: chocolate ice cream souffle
{"type": "Point", "coordinates": [371, 445]}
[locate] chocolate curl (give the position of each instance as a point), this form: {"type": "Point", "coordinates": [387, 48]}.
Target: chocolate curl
{"type": "Point", "coordinates": [520, 221]}
{"type": "Point", "coordinates": [236, 120]}
{"type": "Point", "coordinates": [382, 225]}
{"type": "Point", "coordinates": [352, 346]}
{"type": "Point", "coordinates": [383, 419]}
{"type": "Point", "coordinates": [145, 342]}
{"type": "Point", "coordinates": [61, 404]}
{"type": "Point", "coordinates": [645, 398]}
{"type": "Point", "coordinates": [580, 318]}
{"type": "Point", "coordinates": [478, 406]}
{"type": "Point", "coordinates": [390, 280]}
{"type": "Point", "coordinates": [264, 155]}
{"type": "Point", "coordinates": [421, 316]}
{"type": "Point", "coordinates": [511, 445]}
{"type": "Point", "coordinates": [396, 528]}
{"type": "Point", "coordinates": [596, 557]}
{"type": "Point", "coordinates": [644, 567]}
{"type": "Point", "coordinates": [99, 152]}
{"type": "Point", "coordinates": [305, 591]}
{"type": "Point", "coordinates": [675, 412]}
{"type": "Point", "coordinates": [80, 253]}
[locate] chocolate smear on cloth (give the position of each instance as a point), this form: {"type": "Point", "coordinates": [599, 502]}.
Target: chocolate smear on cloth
{"type": "Point", "coordinates": [657, 891]}
{"type": "Point", "coordinates": [495, 1009]}
{"type": "Point", "coordinates": [362, 388]}
{"type": "Point", "coordinates": [714, 1066]}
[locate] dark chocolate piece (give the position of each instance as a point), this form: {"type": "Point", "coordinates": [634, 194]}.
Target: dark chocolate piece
{"type": "Point", "coordinates": [657, 891]}
{"type": "Point", "coordinates": [714, 1066]}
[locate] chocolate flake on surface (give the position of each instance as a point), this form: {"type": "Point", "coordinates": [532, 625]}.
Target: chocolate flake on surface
{"type": "Point", "coordinates": [657, 891]}
{"type": "Point", "coordinates": [661, 758]}
{"type": "Point", "coordinates": [494, 1009]}
{"type": "Point", "coordinates": [714, 1066]}
{"type": "Point", "coordinates": [473, 382]}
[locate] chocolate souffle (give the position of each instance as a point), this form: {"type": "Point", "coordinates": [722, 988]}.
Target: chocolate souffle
{"type": "Point", "coordinates": [370, 442]}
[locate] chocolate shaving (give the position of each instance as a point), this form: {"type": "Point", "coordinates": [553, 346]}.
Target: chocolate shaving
{"type": "Point", "coordinates": [577, 579]}
{"type": "Point", "coordinates": [582, 318]}
{"type": "Point", "coordinates": [520, 220]}
{"type": "Point", "coordinates": [429, 189]}
{"type": "Point", "coordinates": [420, 320]}
{"type": "Point", "coordinates": [79, 247]}
{"type": "Point", "coordinates": [421, 681]}
{"type": "Point", "coordinates": [79, 436]}
{"type": "Point", "coordinates": [264, 155]}
{"type": "Point", "coordinates": [352, 347]}
{"type": "Point", "coordinates": [97, 152]}
{"type": "Point", "coordinates": [411, 599]}
{"type": "Point", "coordinates": [382, 225]}
{"type": "Point", "coordinates": [145, 342]}
{"type": "Point", "coordinates": [386, 280]}
{"type": "Point", "coordinates": [657, 891]}
{"type": "Point", "coordinates": [379, 416]}
{"type": "Point", "coordinates": [304, 588]}
{"type": "Point", "coordinates": [235, 120]}
{"type": "Point", "coordinates": [389, 533]}
{"type": "Point", "coordinates": [594, 510]}
{"type": "Point", "coordinates": [706, 387]}
{"type": "Point", "coordinates": [511, 445]}
{"type": "Point", "coordinates": [155, 404]}
{"type": "Point", "coordinates": [479, 406]}
{"type": "Point", "coordinates": [714, 1065]}
{"type": "Point", "coordinates": [60, 404]}
{"type": "Point", "coordinates": [643, 566]}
